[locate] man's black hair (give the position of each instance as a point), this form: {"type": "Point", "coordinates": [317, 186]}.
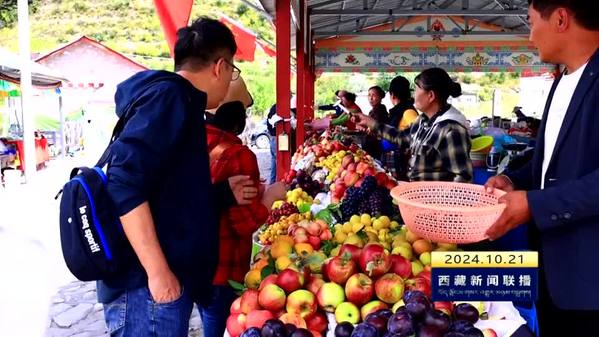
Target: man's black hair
{"type": "Point", "coordinates": [204, 41]}
{"type": "Point", "coordinates": [584, 11]}
{"type": "Point", "coordinates": [229, 117]}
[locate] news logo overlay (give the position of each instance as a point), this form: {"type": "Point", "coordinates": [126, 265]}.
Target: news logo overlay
{"type": "Point", "coordinates": [485, 276]}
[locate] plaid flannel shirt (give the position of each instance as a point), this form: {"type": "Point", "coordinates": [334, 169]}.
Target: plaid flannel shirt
{"type": "Point", "coordinates": [439, 149]}
{"type": "Point", "coordinates": [237, 223]}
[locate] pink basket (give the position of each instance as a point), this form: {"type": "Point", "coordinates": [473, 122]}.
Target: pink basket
{"type": "Point", "coordinates": [448, 212]}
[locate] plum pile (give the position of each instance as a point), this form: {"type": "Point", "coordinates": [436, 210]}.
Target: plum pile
{"type": "Point", "coordinates": [304, 181]}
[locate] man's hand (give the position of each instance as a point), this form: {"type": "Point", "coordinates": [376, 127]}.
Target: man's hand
{"type": "Point", "coordinates": [164, 287]}
{"type": "Point", "coordinates": [273, 193]}
{"type": "Point", "coordinates": [244, 189]}
{"type": "Point", "coordinates": [516, 212]}
{"type": "Point", "coordinates": [501, 182]}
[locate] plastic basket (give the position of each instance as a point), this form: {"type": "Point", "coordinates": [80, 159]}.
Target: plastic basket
{"type": "Point", "coordinates": [448, 212]}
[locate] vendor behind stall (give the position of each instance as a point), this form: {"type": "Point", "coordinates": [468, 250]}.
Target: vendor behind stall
{"type": "Point", "coordinates": [438, 141]}
{"type": "Point", "coordinates": [371, 144]}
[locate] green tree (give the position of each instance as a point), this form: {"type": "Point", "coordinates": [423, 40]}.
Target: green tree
{"type": "Point", "coordinates": [8, 11]}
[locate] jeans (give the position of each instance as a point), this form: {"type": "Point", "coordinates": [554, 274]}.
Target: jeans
{"type": "Point", "coordinates": [273, 159]}
{"type": "Point", "coordinates": [214, 312]}
{"type": "Point", "coordinates": [135, 314]}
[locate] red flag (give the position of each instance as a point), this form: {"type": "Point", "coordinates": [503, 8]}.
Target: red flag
{"type": "Point", "coordinates": [173, 15]}
{"type": "Point", "coordinates": [267, 49]}
{"type": "Point", "coordinates": [245, 39]}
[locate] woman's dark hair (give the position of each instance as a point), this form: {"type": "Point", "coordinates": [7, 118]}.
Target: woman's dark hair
{"type": "Point", "coordinates": [438, 81]}
{"type": "Point", "coordinates": [229, 117]}
{"type": "Point", "coordinates": [350, 96]}
{"type": "Point", "coordinates": [400, 88]}
{"type": "Point", "coordinates": [379, 91]}
{"type": "Point", "coordinates": [584, 11]}
{"type": "Point", "coordinates": [204, 41]}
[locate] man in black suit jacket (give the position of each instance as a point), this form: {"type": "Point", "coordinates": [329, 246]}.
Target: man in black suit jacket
{"type": "Point", "coordinates": [558, 191]}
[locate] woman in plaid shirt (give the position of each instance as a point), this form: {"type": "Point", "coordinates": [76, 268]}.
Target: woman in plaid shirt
{"type": "Point", "coordinates": [438, 141]}
{"type": "Point", "coordinates": [229, 157]}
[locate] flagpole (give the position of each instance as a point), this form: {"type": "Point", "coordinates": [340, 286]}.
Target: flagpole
{"type": "Point", "coordinates": [26, 90]}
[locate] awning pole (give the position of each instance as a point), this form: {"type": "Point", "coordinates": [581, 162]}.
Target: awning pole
{"type": "Point", "coordinates": [26, 90]}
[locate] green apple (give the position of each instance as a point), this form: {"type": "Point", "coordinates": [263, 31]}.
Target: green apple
{"type": "Point", "coordinates": [403, 251]}
{"type": "Point", "coordinates": [347, 312]}
{"type": "Point", "coordinates": [417, 267]}
{"type": "Point", "coordinates": [330, 295]}
{"type": "Point", "coordinates": [425, 258]}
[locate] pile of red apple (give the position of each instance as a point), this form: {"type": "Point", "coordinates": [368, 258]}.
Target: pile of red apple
{"type": "Point", "coordinates": [322, 149]}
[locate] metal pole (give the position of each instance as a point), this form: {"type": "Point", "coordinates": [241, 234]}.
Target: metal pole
{"type": "Point", "coordinates": [26, 90]}
{"type": "Point", "coordinates": [62, 122]}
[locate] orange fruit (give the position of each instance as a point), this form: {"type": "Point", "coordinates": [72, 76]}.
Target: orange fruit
{"type": "Point", "coordinates": [260, 264]}
{"type": "Point", "coordinates": [303, 248]}
{"type": "Point", "coordinates": [281, 248]}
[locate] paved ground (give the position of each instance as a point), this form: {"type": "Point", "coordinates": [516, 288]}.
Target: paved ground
{"type": "Point", "coordinates": [38, 295]}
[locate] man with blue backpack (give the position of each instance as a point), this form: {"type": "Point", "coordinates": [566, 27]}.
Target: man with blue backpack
{"type": "Point", "coordinates": [158, 182]}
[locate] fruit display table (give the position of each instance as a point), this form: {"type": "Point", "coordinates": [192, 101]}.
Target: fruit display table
{"type": "Point", "coordinates": [334, 257]}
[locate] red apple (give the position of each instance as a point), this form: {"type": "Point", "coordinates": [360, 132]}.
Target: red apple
{"type": "Point", "coordinates": [290, 280]}
{"type": "Point", "coordinates": [236, 306]}
{"type": "Point", "coordinates": [330, 295]}
{"type": "Point", "coordinates": [354, 250]}
{"type": "Point", "coordinates": [340, 268]}
{"type": "Point", "coordinates": [347, 159]}
{"type": "Point", "coordinates": [426, 275]}
{"type": "Point", "coordinates": [361, 167]}
{"type": "Point", "coordinates": [351, 167]}
{"type": "Point", "coordinates": [390, 184]}
{"type": "Point", "coordinates": [351, 178]}
{"type": "Point", "coordinates": [358, 183]}
{"type": "Point", "coordinates": [317, 322]}
{"type": "Point", "coordinates": [295, 319]}
{"type": "Point", "coordinates": [326, 235]}
{"type": "Point", "coordinates": [313, 228]}
{"type": "Point", "coordinates": [420, 284]}
{"type": "Point", "coordinates": [236, 324]}
{"type": "Point", "coordinates": [359, 289]}
{"type": "Point", "coordinates": [446, 307]}
{"type": "Point", "coordinates": [374, 261]}
{"type": "Point", "coordinates": [257, 318]}
{"type": "Point", "coordinates": [301, 302]}
{"type": "Point", "coordinates": [381, 178]}
{"type": "Point", "coordinates": [272, 298]}
{"type": "Point", "coordinates": [314, 285]}
{"type": "Point", "coordinates": [400, 266]}
{"type": "Point", "coordinates": [315, 333]}
{"type": "Point", "coordinates": [489, 333]}
{"type": "Point", "coordinates": [249, 301]}
{"type": "Point", "coordinates": [371, 307]}
{"type": "Point", "coordinates": [314, 242]}
{"type": "Point", "coordinates": [270, 279]}
{"type": "Point", "coordinates": [389, 288]}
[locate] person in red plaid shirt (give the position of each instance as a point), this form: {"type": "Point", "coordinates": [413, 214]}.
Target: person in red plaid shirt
{"type": "Point", "coordinates": [229, 157]}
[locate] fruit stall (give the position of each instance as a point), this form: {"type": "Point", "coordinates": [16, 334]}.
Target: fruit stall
{"type": "Point", "coordinates": [335, 259]}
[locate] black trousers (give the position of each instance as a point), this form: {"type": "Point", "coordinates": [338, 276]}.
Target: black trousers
{"type": "Point", "coordinates": [556, 322]}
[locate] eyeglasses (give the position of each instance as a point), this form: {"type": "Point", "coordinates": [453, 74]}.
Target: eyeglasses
{"type": "Point", "coordinates": [236, 71]}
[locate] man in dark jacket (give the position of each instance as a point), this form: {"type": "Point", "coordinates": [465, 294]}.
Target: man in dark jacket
{"type": "Point", "coordinates": [558, 191]}
{"type": "Point", "coordinates": [159, 179]}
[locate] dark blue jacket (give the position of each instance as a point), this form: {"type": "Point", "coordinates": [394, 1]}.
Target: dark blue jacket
{"type": "Point", "coordinates": [566, 212]}
{"type": "Point", "coordinates": [161, 157]}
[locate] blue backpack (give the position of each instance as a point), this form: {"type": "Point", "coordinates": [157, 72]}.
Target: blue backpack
{"type": "Point", "coordinates": [94, 245]}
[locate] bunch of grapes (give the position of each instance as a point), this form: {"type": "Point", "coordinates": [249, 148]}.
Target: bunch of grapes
{"type": "Point", "coordinates": [286, 209]}
{"type": "Point", "coordinates": [369, 198]}
{"type": "Point", "coordinates": [304, 181]}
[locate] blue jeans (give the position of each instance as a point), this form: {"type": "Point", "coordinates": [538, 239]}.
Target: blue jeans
{"type": "Point", "coordinates": [135, 314]}
{"type": "Point", "coordinates": [214, 312]}
{"type": "Point", "coordinates": [273, 159]}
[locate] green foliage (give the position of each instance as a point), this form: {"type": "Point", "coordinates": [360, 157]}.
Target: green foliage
{"type": "Point", "coordinates": [8, 11]}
